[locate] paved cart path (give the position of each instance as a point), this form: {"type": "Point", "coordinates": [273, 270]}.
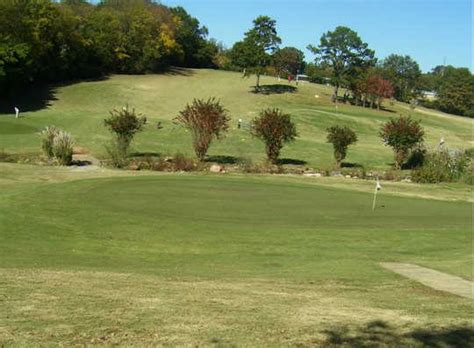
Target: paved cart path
{"type": "Point", "coordinates": [433, 279]}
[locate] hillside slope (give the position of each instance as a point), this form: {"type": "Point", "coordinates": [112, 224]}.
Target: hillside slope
{"type": "Point", "coordinates": [81, 107]}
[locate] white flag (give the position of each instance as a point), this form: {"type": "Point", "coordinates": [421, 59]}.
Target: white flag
{"type": "Point", "coordinates": [378, 187]}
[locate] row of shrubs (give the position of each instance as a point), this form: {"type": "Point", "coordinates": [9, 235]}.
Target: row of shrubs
{"type": "Point", "coordinates": [207, 120]}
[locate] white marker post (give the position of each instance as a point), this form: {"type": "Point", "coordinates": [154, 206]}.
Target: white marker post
{"type": "Point", "coordinates": [17, 112]}
{"type": "Point", "coordinates": [378, 187]}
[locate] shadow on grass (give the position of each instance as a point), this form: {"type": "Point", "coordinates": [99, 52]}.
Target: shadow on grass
{"type": "Point", "coordinates": [36, 97]}
{"type": "Point", "coordinates": [292, 161]}
{"type": "Point", "coordinates": [177, 71]}
{"type": "Point", "coordinates": [81, 163]}
{"type": "Point", "coordinates": [222, 159]}
{"type": "Point", "coordinates": [145, 154]}
{"type": "Point", "coordinates": [31, 99]}
{"type": "Point", "coordinates": [383, 108]}
{"type": "Point", "coordinates": [274, 89]}
{"type": "Point", "coordinates": [350, 165]}
{"type": "Point", "coordinates": [379, 334]}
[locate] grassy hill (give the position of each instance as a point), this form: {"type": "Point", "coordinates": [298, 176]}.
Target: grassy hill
{"type": "Point", "coordinates": [81, 107]}
{"type": "Point", "coordinates": [92, 255]}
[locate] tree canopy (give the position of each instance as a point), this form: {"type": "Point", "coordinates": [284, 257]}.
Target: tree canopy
{"type": "Point", "coordinates": [343, 51]}
{"type": "Point", "coordinates": [404, 74]}
{"type": "Point", "coordinates": [43, 41]}
{"type": "Point", "coordinates": [254, 52]}
{"type": "Point", "coordinates": [289, 60]}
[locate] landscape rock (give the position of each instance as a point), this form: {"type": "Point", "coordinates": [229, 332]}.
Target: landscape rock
{"type": "Point", "coordinates": [316, 175]}
{"type": "Point", "coordinates": [215, 168]}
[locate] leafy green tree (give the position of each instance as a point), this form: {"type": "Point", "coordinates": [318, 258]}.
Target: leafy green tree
{"type": "Point", "coordinates": [404, 74]}
{"type": "Point", "coordinates": [191, 36]}
{"type": "Point", "coordinates": [402, 134]}
{"type": "Point", "coordinates": [206, 120]}
{"type": "Point", "coordinates": [456, 91]}
{"type": "Point", "coordinates": [124, 123]}
{"type": "Point", "coordinates": [289, 60]}
{"type": "Point", "coordinates": [45, 41]}
{"type": "Point", "coordinates": [318, 73]}
{"type": "Point", "coordinates": [275, 129]}
{"type": "Point", "coordinates": [340, 137]}
{"type": "Point", "coordinates": [254, 52]}
{"type": "Point", "coordinates": [343, 51]}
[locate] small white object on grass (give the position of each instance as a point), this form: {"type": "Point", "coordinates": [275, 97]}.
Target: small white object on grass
{"type": "Point", "coordinates": [441, 143]}
{"type": "Point", "coordinates": [17, 112]}
{"type": "Point", "coordinates": [378, 187]}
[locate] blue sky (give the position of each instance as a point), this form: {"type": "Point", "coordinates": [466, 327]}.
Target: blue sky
{"type": "Point", "coordinates": [427, 30]}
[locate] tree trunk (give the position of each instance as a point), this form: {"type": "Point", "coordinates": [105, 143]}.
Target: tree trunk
{"type": "Point", "coordinates": [258, 81]}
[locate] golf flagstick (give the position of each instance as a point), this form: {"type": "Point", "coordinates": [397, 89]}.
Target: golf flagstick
{"type": "Point", "coordinates": [377, 188]}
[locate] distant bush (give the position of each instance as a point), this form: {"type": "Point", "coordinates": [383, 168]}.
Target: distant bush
{"type": "Point", "coordinates": [416, 158]}
{"type": "Point", "coordinates": [18, 157]}
{"type": "Point", "coordinates": [124, 124]}
{"type": "Point", "coordinates": [177, 163]}
{"type": "Point", "coordinates": [247, 166]}
{"type": "Point", "coordinates": [115, 155]}
{"type": "Point", "coordinates": [205, 120]}
{"type": "Point", "coordinates": [443, 166]}
{"type": "Point", "coordinates": [275, 129]}
{"type": "Point", "coordinates": [402, 135]}
{"type": "Point", "coordinates": [63, 148]}
{"type": "Point", "coordinates": [469, 153]}
{"type": "Point", "coordinates": [340, 138]}
{"type": "Point", "coordinates": [47, 140]}
{"type": "Point", "coordinates": [182, 163]}
{"type": "Point", "coordinates": [57, 145]}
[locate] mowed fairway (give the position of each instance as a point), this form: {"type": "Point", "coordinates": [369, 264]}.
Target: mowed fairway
{"type": "Point", "coordinates": [80, 108]}
{"type": "Point", "coordinates": [208, 259]}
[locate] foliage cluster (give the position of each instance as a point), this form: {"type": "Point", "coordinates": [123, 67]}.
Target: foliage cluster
{"type": "Point", "coordinates": [454, 88]}
{"type": "Point", "coordinates": [57, 145]}
{"type": "Point", "coordinates": [254, 52]}
{"type": "Point", "coordinates": [274, 128]}
{"type": "Point", "coordinates": [402, 134]}
{"type": "Point", "coordinates": [443, 166]}
{"type": "Point", "coordinates": [124, 123]}
{"type": "Point", "coordinates": [46, 41]}
{"type": "Point", "coordinates": [177, 163]}
{"type": "Point", "coordinates": [340, 137]}
{"type": "Point", "coordinates": [205, 120]}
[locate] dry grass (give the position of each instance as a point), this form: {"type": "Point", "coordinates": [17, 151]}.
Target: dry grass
{"type": "Point", "coordinates": [82, 308]}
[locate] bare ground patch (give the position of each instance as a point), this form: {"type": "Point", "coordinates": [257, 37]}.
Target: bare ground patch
{"type": "Point", "coordinates": [434, 279]}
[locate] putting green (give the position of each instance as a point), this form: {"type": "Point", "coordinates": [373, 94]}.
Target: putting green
{"type": "Point", "coordinates": [202, 259]}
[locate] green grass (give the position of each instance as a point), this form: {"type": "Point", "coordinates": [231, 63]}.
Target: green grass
{"type": "Point", "coordinates": [81, 107]}
{"type": "Point", "coordinates": [209, 259]}
{"type": "Point", "coordinates": [100, 256]}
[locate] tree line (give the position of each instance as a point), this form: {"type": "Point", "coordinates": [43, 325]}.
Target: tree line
{"type": "Point", "coordinates": [42, 41]}
{"type": "Point", "coordinates": [345, 61]}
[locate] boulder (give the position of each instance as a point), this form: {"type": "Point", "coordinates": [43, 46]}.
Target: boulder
{"type": "Point", "coordinates": [215, 168]}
